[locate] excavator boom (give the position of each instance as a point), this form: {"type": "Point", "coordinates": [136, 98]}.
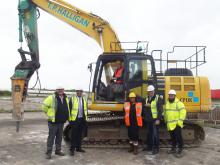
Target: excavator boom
{"type": "Point", "coordinates": [89, 24]}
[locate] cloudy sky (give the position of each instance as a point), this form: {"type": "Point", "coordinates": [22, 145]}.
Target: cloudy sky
{"type": "Point", "coordinates": [65, 52]}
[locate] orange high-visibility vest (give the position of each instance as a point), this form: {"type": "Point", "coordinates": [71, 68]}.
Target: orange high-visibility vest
{"type": "Point", "coordinates": [127, 108]}
{"type": "Point", "coordinates": [118, 74]}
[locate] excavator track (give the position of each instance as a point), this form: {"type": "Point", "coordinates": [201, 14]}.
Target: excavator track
{"type": "Point", "coordinates": [125, 144]}
{"type": "Point", "coordinates": [105, 130]}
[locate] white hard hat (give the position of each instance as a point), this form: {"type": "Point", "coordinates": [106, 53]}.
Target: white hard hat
{"type": "Point", "coordinates": [79, 88]}
{"type": "Point", "coordinates": [150, 88]}
{"type": "Point", "coordinates": [59, 87]}
{"type": "Point", "coordinates": [172, 92]}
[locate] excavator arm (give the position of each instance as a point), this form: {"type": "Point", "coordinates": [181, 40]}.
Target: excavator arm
{"type": "Point", "coordinates": [89, 24]}
{"type": "Point", "coordinates": [28, 15]}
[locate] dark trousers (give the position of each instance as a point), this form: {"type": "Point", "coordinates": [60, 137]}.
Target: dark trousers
{"type": "Point", "coordinates": [55, 133]}
{"type": "Point", "coordinates": [152, 136]}
{"type": "Point", "coordinates": [76, 133]}
{"type": "Point", "coordinates": [176, 137]}
{"type": "Point", "coordinates": [133, 133]}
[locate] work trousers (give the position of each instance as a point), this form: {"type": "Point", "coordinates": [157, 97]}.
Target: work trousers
{"type": "Point", "coordinates": [176, 137]}
{"type": "Point", "coordinates": [133, 134]}
{"type": "Point", "coordinates": [76, 133]}
{"type": "Point", "coordinates": [152, 136]}
{"type": "Point", "coordinates": [55, 133]}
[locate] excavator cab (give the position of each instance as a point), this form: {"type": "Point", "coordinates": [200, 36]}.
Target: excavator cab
{"type": "Point", "coordinates": [138, 72]}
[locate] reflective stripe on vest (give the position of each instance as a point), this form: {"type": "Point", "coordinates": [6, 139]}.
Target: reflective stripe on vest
{"type": "Point", "coordinates": [172, 114]}
{"type": "Point", "coordinates": [138, 108]}
{"type": "Point", "coordinates": [54, 107]}
{"type": "Point", "coordinates": [75, 108]}
{"type": "Point", "coordinates": [153, 107]}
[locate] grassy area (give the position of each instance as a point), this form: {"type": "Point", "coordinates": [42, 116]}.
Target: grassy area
{"type": "Point", "coordinates": [5, 93]}
{"type": "Point", "coordinates": [10, 111]}
{"type": "Point", "coordinates": [2, 111]}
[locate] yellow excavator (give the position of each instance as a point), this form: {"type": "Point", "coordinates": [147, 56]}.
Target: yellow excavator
{"type": "Point", "coordinates": [139, 72]}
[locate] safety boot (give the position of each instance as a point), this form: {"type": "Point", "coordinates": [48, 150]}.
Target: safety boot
{"type": "Point", "coordinates": [59, 153]}
{"type": "Point", "coordinates": [179, 153]}
{"type": "Point", "coordinates": [131, 149]}
{"type": "Point", "coordinates": [48, 155]}
{"type": "Point", "coordinates": [172, 151]}
{"type": "Point", "coordinates": [147, 149]}
{"type": "Point", "coordinates": [155, 151]}
{"type": "Point", "coordinates": [80, 150]}
{"type": "Point", "coordinates": [135, 149]}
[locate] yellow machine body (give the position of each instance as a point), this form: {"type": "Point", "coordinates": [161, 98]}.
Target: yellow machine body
{"type": "Point", "coordinates": [194, 92]}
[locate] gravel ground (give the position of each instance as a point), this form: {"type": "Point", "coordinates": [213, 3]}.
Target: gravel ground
{"type": "Point", "coordinates": [31, 104]}
{"type": "Point", "coordinates": [28, 147]}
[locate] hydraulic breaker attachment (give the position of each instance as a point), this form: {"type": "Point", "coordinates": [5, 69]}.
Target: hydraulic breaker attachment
{"type": "Point", "coordinates": [18, 96]}
{"type": "Point", "coordinates": [19, 92]}
{"type": "Point", "coordinates": [18, 88]}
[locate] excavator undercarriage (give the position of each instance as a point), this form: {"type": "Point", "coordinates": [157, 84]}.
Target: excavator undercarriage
{"type": "Point", "coordinates": [140, 71]}
{"type": "Point", "coordinates": [105, 130]}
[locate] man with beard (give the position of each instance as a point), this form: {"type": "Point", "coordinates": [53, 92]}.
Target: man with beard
{"type": "Point", "coordinates": [174, 115]}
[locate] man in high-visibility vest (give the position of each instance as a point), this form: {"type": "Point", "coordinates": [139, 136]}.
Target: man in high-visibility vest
{"type": "Point", "coordinates": [133, 120]}
{"type": "Point", "coordinates": [118, 74]}
{"type": "Point", "coordinates": [78, 118]}
{"type": "Point", "coordinates": [56, 107]}
{"type": "Point", "coordinates": [115, 88]}
{"type": "Point", "coordinates": [174, 115]}
{"type": "Point", "coordinates": [152, 113]}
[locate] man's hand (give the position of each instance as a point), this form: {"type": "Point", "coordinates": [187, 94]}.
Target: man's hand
{"type": "Point", "coordinates": [113, 79]}
{"type": "Point", "coordinates": [157, 122]}
{"type": "Point", "coordinates": [147, 105]}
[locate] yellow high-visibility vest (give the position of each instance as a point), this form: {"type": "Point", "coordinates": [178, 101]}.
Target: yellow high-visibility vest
{"type": "Point", "coordinates": [75, 108]}
{"type": "Point", "coordinates": [154, 107]}
{"type": "Point", "coordinates": [50, 107]}
{"type": "Point", "coordinates": [174, 114]}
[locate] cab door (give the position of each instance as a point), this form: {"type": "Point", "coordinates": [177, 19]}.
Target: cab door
{"type": "Point", "coordinates": [141, 73]}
